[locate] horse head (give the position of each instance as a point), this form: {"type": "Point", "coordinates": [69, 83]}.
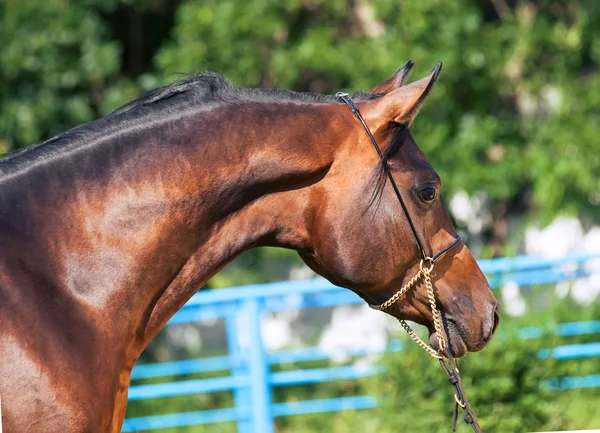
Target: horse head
{"type": "Point", "coordinates": [363, 237]}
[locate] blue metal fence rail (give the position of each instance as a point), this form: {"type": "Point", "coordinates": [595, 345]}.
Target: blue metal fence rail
{"type": "Point", "coordinates": [247, 366]}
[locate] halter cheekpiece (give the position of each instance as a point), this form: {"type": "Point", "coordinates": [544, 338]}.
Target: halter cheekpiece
{"type": "Point", "coordinates": [425, 268]}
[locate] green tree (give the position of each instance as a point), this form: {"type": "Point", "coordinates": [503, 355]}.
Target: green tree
{"type": "Point", "coordinates": [54, 65]}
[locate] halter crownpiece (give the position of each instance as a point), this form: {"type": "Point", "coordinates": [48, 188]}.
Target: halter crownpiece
{"type": "Point", "coordinates": [425, 268]}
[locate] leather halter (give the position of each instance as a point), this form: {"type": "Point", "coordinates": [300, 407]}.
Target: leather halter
{"type": "Point", "coordinates": [446, 360]}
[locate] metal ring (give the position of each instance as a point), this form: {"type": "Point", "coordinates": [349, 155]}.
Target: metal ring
{"type": "Point", "coordinates": [460, 403]}
{"type": "Point", "coordinates": [423, 261]}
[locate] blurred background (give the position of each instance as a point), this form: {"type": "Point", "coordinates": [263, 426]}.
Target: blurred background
{"type": "Point", "coordinates": [512, 127]}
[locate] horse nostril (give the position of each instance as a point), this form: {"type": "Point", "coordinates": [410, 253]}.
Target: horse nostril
{"type": "Point", "coordinates": [491, 324]}
{"type": "Point", "coordinates": [496, 320]}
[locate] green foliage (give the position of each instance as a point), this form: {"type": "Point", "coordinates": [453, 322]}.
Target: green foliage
{"type": "Point", "coordinates": [55, 60]}
{"type": "Point", "coordinates": [504, 386]}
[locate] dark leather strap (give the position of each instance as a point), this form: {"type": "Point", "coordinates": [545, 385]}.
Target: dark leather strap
{"type": "Point", "coordinates": [449, 366]}
{"type": "Point", "coordinates": [350, 103]}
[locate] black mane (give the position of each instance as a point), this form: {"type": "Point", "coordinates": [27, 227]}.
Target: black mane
{"type": "Point", "coordinates": [211, 88]}
{"type": "Point", "coordinates": [191, 93]}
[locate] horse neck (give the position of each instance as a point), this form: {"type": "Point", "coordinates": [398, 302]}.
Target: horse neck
{"type": "Point", "coordinates": [133, 226]}
{"type": "Point", "coordinates": [261, 171]}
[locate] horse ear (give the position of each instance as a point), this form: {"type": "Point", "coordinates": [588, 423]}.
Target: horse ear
{"type": "Point", "coordinates": [394, 81]}
{"type": "Point", "coordinates": [401, 105]}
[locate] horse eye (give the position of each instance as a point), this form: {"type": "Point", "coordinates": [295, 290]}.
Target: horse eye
{"type": "Point", "coordinates": [428, 194]}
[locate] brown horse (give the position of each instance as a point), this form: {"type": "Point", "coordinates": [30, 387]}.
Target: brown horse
{"type": "Point", "coordinates": [107, 230]}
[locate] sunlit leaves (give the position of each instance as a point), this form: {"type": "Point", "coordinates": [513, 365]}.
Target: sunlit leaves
{"type": "Point", "coordinates": [53, 56]}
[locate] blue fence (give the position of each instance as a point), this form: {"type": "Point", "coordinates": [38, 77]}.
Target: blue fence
{"type": "Point", "coordinates": [248, 365]}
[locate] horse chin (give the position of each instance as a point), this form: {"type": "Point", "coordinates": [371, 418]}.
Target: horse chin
{"type": "Point", "coordinates": [457, 346]}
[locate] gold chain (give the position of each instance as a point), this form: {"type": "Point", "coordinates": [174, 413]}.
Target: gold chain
{"type": "Point", "coordinates": [425, 273]}
{"type": "Point", "coordinates": [399, 293]}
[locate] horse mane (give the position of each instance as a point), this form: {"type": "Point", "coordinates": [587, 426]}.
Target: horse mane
{"type": "Point", "coordinates": [199, 89]}
{"type": "Point", "coordinates": [194, 92]}
{"type": "Point", "coordinates": [210, 88]}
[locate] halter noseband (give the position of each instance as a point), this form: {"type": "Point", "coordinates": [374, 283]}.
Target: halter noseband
{"type": "Point", "coordinates": [426, 266]}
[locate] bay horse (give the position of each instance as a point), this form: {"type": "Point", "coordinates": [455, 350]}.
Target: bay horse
{"type": "Point", "coordinates": [106, 230]}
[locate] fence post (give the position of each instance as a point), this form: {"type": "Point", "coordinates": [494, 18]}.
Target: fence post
{"type": "Point", "coordinates": [243, 402]}
{"type": "Point", "coordinates": [260, 388]}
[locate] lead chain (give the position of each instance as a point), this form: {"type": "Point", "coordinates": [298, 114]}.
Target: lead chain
{"type": "Point", "coordinates": [437, 323]}
{"type": "Point", "coordinates": [425, 273]}
{"type": "Point", "coordinates": [399, 293]}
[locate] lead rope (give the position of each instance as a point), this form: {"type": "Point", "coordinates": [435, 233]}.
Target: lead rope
{"type": "Point", "coordinates": [446, 360]}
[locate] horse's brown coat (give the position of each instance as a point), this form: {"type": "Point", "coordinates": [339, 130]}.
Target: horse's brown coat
{"type": "Point", "coordinates": [102, 241]}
